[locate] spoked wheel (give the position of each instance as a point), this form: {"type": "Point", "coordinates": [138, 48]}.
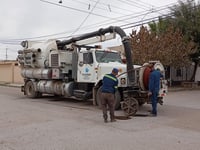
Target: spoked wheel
{"type": "Point", "coordinates": [30, 90]}
{"type": "Point", "coordinates": [129, 106]}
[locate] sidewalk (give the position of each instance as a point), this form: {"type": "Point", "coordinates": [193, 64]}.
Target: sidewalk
{"type": "Point", "coordinates": [180, 88]}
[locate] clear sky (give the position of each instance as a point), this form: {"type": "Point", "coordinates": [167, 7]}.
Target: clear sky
{"type": "Point", "coordinates": [45, 19]}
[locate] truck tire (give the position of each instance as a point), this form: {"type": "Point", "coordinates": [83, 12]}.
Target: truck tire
{"type": "Point", "coordinates": [30, 91]}
{"type": "Point", "coordinates": [117, 99]}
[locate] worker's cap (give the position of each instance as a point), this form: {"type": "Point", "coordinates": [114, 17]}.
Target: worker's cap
{"type": "Point", "coordinates": [115, 70]}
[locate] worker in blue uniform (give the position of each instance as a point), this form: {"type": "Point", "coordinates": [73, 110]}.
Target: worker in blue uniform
{"type": "Point", "coordinates": [154, 87]}
{"type": "Point", "coordinates": [109, 88]}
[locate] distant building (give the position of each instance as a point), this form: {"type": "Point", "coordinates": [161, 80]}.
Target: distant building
{"type": "Point", "coordinates": [174, 75]}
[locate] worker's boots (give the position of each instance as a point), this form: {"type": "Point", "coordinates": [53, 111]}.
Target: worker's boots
{"type": "Point", "coordinates": [105, 118]}
{"type": "Point", "coordinates": [112, 119]}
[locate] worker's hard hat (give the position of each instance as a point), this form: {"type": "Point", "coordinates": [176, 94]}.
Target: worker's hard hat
{"type": "Point", "coordinates": [115, 70]}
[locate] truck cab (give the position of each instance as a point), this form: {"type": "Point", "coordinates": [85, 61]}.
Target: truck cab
{"type": "Point", "coordinates": [94, 64]}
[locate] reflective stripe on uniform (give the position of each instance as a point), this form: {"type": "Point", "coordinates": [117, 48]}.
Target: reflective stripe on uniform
{"type": "Point", "coordinates": [108, 76]}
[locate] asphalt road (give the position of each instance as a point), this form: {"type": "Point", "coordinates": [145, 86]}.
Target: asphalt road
{"type": "Point", "coordinates": [52, 123]}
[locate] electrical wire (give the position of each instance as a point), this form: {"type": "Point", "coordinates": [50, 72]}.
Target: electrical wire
{"type": "Point", "coordinates": [127, 18]}
{"type": "Point", "coordinates": [139, 23]}
{"type": "Point", "coordinates": [122, 18]}
{"type": "Point", "coordinates": [14, 41]}
{"type": "Point", "coordinates": [85, 18]}
{"type": "Point", "coordinates": [133, 4]}
{"type": "Point", "coordinates": [76, 9]}
{"type": "Point", "coordinates": [139, 2]}
{"type": "Point", "coordinates": [113, 6]}
{"type": "Point", "coordinates": [105, 9]}
{"type": "Point", "coordinates": [123, 26]}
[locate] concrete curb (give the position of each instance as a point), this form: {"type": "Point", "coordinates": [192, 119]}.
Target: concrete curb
{"type": "Point", "coordinates": [11, 85]}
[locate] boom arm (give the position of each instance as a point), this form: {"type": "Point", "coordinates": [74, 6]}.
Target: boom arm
{"type": "Point", "coordinates": [103, 31]}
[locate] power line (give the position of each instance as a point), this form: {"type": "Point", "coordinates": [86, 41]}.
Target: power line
{"type": "Point", "coordinates": [133, 4]}
{"type": "Point", "coordinates": [6, 53]}
{"type": "Point", "coordinates": [123, 26]}
{"type": "Point", "coordinates": [105, 9]}
{"type": "Point", "coordinates": [141, 13]}
{"type": "Point", "coordinates": [113, 6]}
{"type": "Point", "coordinates": [75, 9]}
{"type": "Point", "coordinates": [141, 3]}
{"type": "Point", "coordinates": [146, 21]}
{"type": "Point", "coordinates": [85, 18]}
{"type": "Point", "coordinates": [122, 18]}
{"type": "Point", "coordinates": [125, 18]}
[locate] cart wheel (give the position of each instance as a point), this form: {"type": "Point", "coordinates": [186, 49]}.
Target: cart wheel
{"type": "Point", "coordinates": [141, 103]}
{"type": "Point", "coordinates": [129, 106]}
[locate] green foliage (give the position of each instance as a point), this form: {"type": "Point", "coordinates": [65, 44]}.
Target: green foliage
{"type": "Point", "coordinates": [186, 18]}
{"type": "Point", "coordinates": [160, 26]}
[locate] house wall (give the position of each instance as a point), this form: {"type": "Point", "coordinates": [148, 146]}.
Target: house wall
{"type": "Point", "coordinates": [10, 72]}
{"type": "Point", "coordinates": [6, 72]}
{"type": "Point", "coordinates": [17, 74]}
{"type": "Point", "coordinates": [181, 74]}
{"type": "Point", "coordinates": [197, 76]}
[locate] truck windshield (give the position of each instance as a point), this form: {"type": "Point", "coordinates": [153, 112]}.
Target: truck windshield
{"type": "Point", "coordinates": [107, 56]}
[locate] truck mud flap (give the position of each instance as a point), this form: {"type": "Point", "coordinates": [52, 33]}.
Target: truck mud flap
{"type": "Point", "coordinates": [22, 89]}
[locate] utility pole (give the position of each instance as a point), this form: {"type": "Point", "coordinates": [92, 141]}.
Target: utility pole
{"type": "Point", "coordinates": [6, 53]}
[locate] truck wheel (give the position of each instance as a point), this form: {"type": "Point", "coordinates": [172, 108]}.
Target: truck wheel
{"type": "Point", "coordinates": [29, 90]}
{"type": "Point", "coordinates": [117, 99]}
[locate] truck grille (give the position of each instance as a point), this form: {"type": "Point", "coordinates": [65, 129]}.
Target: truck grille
{"type": "Point", "coordinates": [54, 60]}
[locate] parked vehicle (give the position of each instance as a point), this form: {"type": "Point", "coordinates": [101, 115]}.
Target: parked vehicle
{"type": "Point", "coordinates": [74, 68]}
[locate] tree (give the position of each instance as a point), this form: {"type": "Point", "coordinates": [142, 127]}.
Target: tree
{"type": "Point", "coordinates": [169, 47]}
{"type": "Point", "coordinates": [186, 18]}
{"type": "Point", "coordinates": [160, 26]}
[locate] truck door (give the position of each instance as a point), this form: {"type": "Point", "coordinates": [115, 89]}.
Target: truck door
{"type": "Point", "coordinates": [86, 71]}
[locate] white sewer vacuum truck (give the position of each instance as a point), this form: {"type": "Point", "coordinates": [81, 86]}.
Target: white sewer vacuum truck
{"type": "Point", "coordinates": [74, 68]}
